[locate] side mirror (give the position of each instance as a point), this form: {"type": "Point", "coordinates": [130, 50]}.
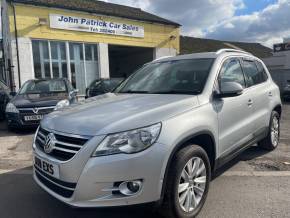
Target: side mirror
{"type": "Point", "coordinates": [229, 89]}
{"type": "Point", "coordinates": [13, 93]}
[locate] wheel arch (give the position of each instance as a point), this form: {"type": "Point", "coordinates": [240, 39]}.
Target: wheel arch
{"type": "Point", "coordinates": [205, 139]}
{"type": "Point", "coordinates": [278, 108]}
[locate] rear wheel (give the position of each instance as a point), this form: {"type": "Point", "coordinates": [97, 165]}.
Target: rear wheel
{"type": "Point", "coordinates": [272, 140]}
{"type": "Point", "coordinates": [187, 184]}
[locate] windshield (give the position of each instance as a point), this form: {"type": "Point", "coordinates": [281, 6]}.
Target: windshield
{"type": "Point", "coordinates": [171, 77]}
{"type": "Point", "coordinates": [44, 87]}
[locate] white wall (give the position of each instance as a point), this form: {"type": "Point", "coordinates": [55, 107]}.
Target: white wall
{"type": "Point", "coordinates": [25, 60]}
{"type": "Point", "coordinates": [104, 60]}
{"type": "Point", "coordinates": [161, 52]}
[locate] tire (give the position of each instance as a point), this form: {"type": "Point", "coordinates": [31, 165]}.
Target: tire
{"type": "Point", "coordinates": [269, 143]}
{"type": "Point", "coordinates": [171, 208]}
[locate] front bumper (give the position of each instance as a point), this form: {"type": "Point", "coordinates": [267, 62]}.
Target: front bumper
{"type": "Point", "coordinates": [15, 120]}
{"type": "Point", "coordinates": [95, 179]}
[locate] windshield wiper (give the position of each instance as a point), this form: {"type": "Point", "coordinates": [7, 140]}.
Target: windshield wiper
{"type": "Point", "coordinates": [134, 91]}
{"type": "Point", "coordinates": [31, 93]}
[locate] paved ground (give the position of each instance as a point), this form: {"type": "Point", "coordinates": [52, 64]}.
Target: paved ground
{"type": "Point", "coordinates": [256, 184]}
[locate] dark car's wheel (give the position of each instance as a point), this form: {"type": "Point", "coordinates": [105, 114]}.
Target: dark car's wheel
{"type": "Point", "coordinates": [272, 140]}
{"type": "Point", "coordinates": [187, 183]}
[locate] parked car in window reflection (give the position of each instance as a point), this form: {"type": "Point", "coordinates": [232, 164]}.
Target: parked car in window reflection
{"type": "Point", "coordinates": [102, 86]}
{"type": "Point", "coordinates": [37, 98]}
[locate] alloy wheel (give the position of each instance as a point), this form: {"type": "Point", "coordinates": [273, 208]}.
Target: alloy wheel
{"type": "Point", "coordinates": [192, 184]}
{"type": "Point", "coordinates": [275, 131]}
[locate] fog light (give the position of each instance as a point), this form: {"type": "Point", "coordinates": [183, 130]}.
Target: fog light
{"type": "Point", "coordinates": [130, 187]}
{"type": "Point", "coordinates": [134, 186]}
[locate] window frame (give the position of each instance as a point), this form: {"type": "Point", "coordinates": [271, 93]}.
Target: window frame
{"type": "Point", "coordinates": [264, 69]}
{"type": "Point", "coordinates": [223, 63]}
{"type": "Point", "coordinates": [244, 59]}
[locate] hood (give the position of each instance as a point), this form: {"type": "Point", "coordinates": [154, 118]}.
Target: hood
{"type": "Point", "coordinates": [37, 100]}
{"type": "Point", "coordinates": [110, 113]}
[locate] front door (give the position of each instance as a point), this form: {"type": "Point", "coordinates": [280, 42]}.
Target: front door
{"type": "Point", "coordinates": [235, 114]}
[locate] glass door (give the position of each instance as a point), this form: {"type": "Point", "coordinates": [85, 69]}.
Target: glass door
{"type": "Point", "coordinates": [77, 67]}
{"type": "Point", "coordinates": [91, 63]}
{"type": "Point", "coordinates": [41, 59]}
{"type": "Point", "coordinates": [58, 59]}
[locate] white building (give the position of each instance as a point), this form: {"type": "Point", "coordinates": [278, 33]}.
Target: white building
{"type": "Point", "coordinates": [279, 63]}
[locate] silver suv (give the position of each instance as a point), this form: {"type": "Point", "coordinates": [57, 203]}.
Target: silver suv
{"type": "Point", "coordinates": [160, 135]}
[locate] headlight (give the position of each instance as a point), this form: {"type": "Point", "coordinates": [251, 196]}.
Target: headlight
{"type": "Point", "coordinates": [129, 142]}
{"type": "Point", "coordinates": [61, 104]}
{"type": "Point", "coordinates": [10, 108]}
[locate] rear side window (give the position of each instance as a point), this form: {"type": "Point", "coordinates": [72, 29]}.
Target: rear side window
{"type": "Point", "coordinates": [253, 75]}
{"type": "Point", "coordinates": [262, 71]}
{"type": "Point", "coordinates": [232, 72]}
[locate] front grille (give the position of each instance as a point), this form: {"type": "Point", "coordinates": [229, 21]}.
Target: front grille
{"type": "Point", "coordinates": [64, 189]}
{"type": "Point", "coordinates": [65, 146]}
{"type": "Point", "coordinates": [40, 110]}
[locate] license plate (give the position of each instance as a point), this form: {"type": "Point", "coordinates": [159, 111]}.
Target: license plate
{"type": "Point", "coordinates": [33, 117]}
{"type": "Point", "coordinates": [51, 169]}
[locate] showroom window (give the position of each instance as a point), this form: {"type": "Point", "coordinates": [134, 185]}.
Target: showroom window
{"type": "Point", "coordinates": [76, 61]}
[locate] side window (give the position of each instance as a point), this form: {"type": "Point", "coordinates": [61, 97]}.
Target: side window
{"type": "Point", "coordinates": [253, 77]}
{"type": "Point", "coordinates": [261, 71]}
{"type": "Point", "coordinates": [232, 72]}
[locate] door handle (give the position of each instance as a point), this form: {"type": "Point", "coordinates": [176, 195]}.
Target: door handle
{"type": "Point", "coordinates": [250, 102]}
{"type": "Point", "coordinates": [270, 94]}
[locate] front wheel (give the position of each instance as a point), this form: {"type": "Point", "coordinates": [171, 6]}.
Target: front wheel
{"type": "Point", "coordinates": [272, 140]}
{"type": "Point", "coordinates": [187, 183]}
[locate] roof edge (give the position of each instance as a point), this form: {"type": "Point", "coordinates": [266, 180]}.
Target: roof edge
{"type": "Point", "coordinates": [40, 4]}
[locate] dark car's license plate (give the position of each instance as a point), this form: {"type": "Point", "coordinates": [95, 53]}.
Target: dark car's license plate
{"type": "Point", "coordinates": [49, 168]}
{"type": "Point", "coordinates": [33, 117]}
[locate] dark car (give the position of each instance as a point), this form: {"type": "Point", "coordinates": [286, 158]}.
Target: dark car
{"type": "Point", "coordinates": [4, 99]}
{"type": "Point", "coordinates": [102, 86]}
{"type": "Point", "coordinates": [37, 98]}
{"type": "Point", "coordinates": [286, 91]}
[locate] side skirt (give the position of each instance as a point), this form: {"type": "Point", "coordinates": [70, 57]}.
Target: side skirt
{"type": "Point", "coordinates": [259, 135]}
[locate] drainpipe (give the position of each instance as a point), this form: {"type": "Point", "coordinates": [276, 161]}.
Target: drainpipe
{"type": "Point", "coordinates": [17, 46]}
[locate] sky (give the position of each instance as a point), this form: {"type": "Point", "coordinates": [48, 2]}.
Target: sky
{"type": "Point", "coordinates": [263, 21]}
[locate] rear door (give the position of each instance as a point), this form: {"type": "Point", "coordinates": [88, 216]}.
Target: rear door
{"type": "Point", "coordinates": [260, 87]}
{"type": "Point", "coordinates": [235, 114]}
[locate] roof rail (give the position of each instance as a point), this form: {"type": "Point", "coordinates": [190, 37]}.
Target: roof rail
{"type": "Point", "coordinates": [231, 50]}
{"type": "Point", "coordinates": [163, 57]}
